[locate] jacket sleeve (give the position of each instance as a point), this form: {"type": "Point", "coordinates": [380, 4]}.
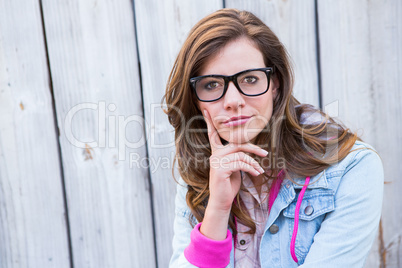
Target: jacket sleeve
{"type": "Point", "coordinates": [182, 229]}
{"type": "Point", "coordinates": [190, 247]}
{"type": "Point", "coordinates": [347, 234]}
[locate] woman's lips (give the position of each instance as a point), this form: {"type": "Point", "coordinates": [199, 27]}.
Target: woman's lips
{"type": "Point", "coordinates": [236, 121]}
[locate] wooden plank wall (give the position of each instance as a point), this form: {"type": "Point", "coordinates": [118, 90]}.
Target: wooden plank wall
{"type": "Point", "coordinates": [86, 151]}
{"type": "Point", "coordinates": [361, 50]}
{"type": "Point", "coordinates": [33, 226]}
{"type": "Point", "coordinates": [96, 85]}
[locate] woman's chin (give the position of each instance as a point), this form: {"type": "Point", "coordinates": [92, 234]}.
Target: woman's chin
{"type": "Point", "coordinates": [237, 139]}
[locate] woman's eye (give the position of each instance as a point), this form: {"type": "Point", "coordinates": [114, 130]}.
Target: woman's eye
{"type": "Point", "coordinates": [212, 85]}
{"type": "Point", "coordinates": [250, 80]}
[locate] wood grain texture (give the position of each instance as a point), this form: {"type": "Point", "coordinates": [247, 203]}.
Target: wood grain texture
{"type": "Point", "coordinates": [94, 67]}
{"type": "Point", "coordinates": [33, 230]}
{"type": "Point", "coordinates": [361, 49]}
{"type": "Point", "coordinates": [294, 23]}
{"type": "Point", "coordinates": [162, 27]}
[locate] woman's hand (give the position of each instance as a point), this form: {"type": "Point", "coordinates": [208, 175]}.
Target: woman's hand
{"type": "Point", "coordinates": [225, 179]}
{"type": "Point", "coordinates": [225, 165]}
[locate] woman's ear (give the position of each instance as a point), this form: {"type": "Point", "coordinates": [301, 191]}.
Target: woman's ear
{"type": "Point", "coordinates": [275, 86]}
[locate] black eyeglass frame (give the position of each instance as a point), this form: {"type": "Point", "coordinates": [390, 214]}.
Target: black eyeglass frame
{"type": "Point", "coordinates": [227, 78]}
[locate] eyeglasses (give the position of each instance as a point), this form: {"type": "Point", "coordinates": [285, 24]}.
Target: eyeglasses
{"type": "Point", "coordinates": [252, 82]}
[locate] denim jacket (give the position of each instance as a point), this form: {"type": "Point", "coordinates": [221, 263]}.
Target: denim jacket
{"type": "Point", "coordinates": [338, 219]}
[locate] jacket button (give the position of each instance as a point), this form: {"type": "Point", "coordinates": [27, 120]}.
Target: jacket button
{"type": "Point", "coordinates": [242, 242]}
{"type": "Point", "coordinates": [273, 229]}
{"type": "Point", "coordinates": [308, 210]}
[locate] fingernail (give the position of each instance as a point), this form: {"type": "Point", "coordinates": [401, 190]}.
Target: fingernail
{"type": "Point", "coordinates": [265, 152]}
{"type": "Point", "coordinates": [261, 170]}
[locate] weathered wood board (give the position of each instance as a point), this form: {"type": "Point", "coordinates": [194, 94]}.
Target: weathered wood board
{"type": "Point", "coordinates": [361, 49]}
{"type": "Point", "coordinates": [94, 68]}
{"type": "Point", "coordinates": [33, 224]}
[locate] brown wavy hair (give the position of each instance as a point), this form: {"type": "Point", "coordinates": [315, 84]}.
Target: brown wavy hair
{"type": "Point", "coordinates": [296, 147]}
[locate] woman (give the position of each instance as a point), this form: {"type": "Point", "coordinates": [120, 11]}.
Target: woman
{"type": "Point", "coordinates": [265, 181]}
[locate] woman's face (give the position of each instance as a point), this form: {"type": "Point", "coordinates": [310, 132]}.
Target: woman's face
{"type": "Point", "coordinates": [255, 112]}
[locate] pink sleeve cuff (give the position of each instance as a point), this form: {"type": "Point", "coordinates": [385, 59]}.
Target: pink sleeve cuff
{"type": "Point", "coordinates": [205, 252]}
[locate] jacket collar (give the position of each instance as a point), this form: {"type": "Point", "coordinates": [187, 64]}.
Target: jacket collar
{"type": "Point", "coordinates": [287, 193]}
{"type": "Point", "coordinates": [318, 181]}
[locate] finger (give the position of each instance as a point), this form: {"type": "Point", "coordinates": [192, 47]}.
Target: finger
{"type": "Point", "coordinates": [240, 156]}
{"type": "Point", "coordinates": [251, 148]}
{"type": "Point", "coordinates": [213, 135]}
{"type": "Point", "coordinates": [240, 165]}
{"type": "Point", "coordinates": [246, 147]}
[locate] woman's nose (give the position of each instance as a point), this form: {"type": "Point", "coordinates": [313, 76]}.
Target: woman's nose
{"type": "Point", "coordinates": [233, 99]}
